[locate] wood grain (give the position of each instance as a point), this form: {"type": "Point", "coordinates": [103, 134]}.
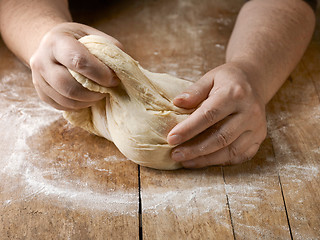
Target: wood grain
{"type": "Point", "coordinates": [184, 205]}
{"type": "Point", "coordinates": [57, 181]}
{"type": "Point", "coordinates": [255, 199]}
{"type": "Point", "coordinates": [294, 127]}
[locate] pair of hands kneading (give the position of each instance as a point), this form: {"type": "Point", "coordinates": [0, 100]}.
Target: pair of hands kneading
{"type": "Point", "coordinates": [218, 120]}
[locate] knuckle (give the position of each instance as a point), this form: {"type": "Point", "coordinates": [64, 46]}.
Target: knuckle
{"type": "Point", "coordinates": [195, 89]}
{"type": "Point", "coordinates": [190, 153]}
{"type": "Point", "coordinates": [35, 82]}
{"type": "Point", "coordinates": [232, 151]}
{"type": "Point", "coordinates": [202, 149]}
{"type": "Point", "coordinates": [67, 87]}
{"type": "Point", "coordinates": [196, 152]}
{"type": "Point", "coordinates": [237, 160]}
{"type": "Point", "coordinates": [79, 61]}
{"type": "Point", "coordinates": [34, 63]}
{"type": "Point", "coordinates": [222, 139]}
{"type": "Point", "coordinates": [72, 92]}
{"type": "Point", "coordinates": [48, 37]}
{"type": "Point", "coordinates": [209, 114]}
{"type": "Point", "coordinates": [240, 91]}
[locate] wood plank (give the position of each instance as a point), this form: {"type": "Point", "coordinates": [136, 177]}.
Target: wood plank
{"type": "Point", "coordinates": [187, 43]}
{"type": "Point", "coordinates": [294, 127]}
{"type": "Point", "coordinates": [57, 181]}
{"type": "Point", "coordinates": [184, 205]}
{"type": "Point", "coordinates": [255, 198]}
{"type": "Point", "coordinates": [297, 143]}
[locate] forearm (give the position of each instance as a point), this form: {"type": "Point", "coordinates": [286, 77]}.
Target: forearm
{"type": "Point", "coordinates": [23, 23]}
{"type": "Point", "coordinates": [268, 41]}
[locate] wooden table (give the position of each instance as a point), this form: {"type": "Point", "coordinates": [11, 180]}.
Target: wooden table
{"type": "Point", "coordinates": [59, 182]}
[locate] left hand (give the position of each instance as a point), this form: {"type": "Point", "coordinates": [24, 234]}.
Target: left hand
{"type": "Point", "coordinates": [228, 126]}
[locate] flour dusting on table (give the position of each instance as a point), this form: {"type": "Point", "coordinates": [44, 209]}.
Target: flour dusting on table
{"type": "Point", "coordinates": [29, 175]}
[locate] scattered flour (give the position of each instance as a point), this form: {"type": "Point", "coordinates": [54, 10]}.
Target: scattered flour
{"type": "Point", "coordinates": [114, 159]}
{"type": "Point", "coordinates": [21, 173]}
{"type": "Point", "coordinates": [197, 199]}
{"type": "Point", "coordinates": [72, 196]}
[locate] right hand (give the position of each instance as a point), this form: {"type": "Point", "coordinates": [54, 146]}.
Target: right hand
{"type": "Point", "coordinates": [59, 50]}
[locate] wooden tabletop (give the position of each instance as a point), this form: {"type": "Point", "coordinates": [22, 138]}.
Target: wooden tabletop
{"type": "Point", "coordinates": [60, 182]}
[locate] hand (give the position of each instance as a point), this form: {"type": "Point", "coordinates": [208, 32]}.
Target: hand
{"type": "Point", "coordinates": [228, 126]}
{"type": "Point", "coordinates": [59, 50]}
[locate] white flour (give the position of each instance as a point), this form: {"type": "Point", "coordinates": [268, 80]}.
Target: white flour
{"type": "Point", "coordinates": [19, 169]}
{"type": "Point", "coordinates": [49, 183]}
{"type": "Point", "coordinates": [77, 195]}
{"type": "Point", "coordinates": [198, 199]}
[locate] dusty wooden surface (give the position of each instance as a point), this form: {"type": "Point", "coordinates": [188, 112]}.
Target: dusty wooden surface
{"type": "Point", "coordinates": [59, 182]}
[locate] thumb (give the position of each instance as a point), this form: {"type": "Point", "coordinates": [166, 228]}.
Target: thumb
{"type": "Point", "coordinates": [75, 56]}
{"type": "Point", "coordinates": [196, 93]}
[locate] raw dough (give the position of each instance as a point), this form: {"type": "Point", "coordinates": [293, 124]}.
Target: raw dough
{"type": "Point", "coordinates": [138, 114]}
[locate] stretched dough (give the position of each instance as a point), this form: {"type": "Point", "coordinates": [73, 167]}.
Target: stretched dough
{"type": "Point", "coordinates": [138, 114]}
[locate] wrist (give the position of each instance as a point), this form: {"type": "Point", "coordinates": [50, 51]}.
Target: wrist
{"type": "Point", "coordinates": [254, 77]}
{"type": "Point", "coordinates": [23, 23]}
{"type": "Point", "coordinates": [37, 37]}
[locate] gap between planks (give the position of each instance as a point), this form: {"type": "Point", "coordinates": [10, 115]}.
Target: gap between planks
{"type": "Point", "coordinates": [280, 184]}
{"type": "Point", "coordinates": [228, 203]}
{"type": "Point", "coordinates": [140, 205]}
{"type": "Point", "coordinates": [285, 206]}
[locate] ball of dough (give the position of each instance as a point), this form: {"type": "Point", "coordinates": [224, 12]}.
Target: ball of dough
{"type": "Point", "coordinates": [138, 114]}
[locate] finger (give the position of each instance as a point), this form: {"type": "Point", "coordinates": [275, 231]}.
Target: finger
{"type": "Point", "coordinates": [240, 150]}
{"type": "Point", "coordinates": [212, 139]}
{"type": "Point", "coordinates": [212, 110]}
{"type": "Point", "coordinates": [59, 78]}
{"type": "Point", "coordinates": [196, 93]}
{"type": "Point", "coordinates": [75, 56]}
{"type": "Point", "coordinates": [50, 101]}
{"type": "Point", "coordinates": [248, 155]}
{"type": "Point", "coordinates": [47, 99]}
{"type": "Point", "coordinates": [57, 97]}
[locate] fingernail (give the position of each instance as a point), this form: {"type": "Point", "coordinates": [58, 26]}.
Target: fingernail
{"type": "Point", "coordinates": [189, 164]}
{"type": "Point", "coordinates": [174, 139]}
{"type": "Point", "coordinates": [182, 96]}
{"type": "Point", "coordinates": [114, 81]}
{"type": "Point", "coordinates": [177, 155]}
